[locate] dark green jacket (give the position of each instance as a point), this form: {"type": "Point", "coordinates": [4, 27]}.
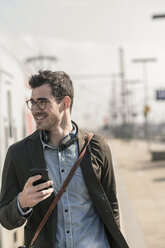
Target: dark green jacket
{"type": "Point", "coordinates": [98, 174]}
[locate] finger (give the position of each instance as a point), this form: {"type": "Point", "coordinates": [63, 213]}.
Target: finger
{"type": "Point", "coordinates": [45, 197]}
{"type": "Point", "coordinates": [31, 180]}
{"type": "Point", "coordinates": [39, 199]}
{"type": "Point", "coordinates": [44, 193]}
{"type": "Point", "coordinates": [35, 197]}
{"type": "Point", "coordinates": [43, 185]}
{"type": "Point", "coordinates": [41, 195]}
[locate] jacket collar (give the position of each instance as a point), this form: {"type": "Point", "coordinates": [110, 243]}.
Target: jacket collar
{"type": "Point", "coordinates": [82, 138]}
{"type": "Point", "coordinates": [36, 150]}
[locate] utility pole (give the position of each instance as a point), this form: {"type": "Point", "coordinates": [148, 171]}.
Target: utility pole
{"type": "Point", "coordinates": [146, 108]}
{"type": "Point", "coordinates": [130, 105]}
{"type": "Point", "coordinates": [124, 119]}
{"type": "Point", "coordinates": [123, 88]}
{"type": "Point", "coordinates": [113, 104]}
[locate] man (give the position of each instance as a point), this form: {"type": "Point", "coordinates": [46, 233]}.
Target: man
{"type": "Point", "coordinates": [87, 214]}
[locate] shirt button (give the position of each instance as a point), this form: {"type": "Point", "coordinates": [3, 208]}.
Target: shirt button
{"type": "Point", "coordinates": [62, 170]}
{"type": "Point", "coordinates": [67, 231]}
{"type": "Point", "coordinates": [66, 210]}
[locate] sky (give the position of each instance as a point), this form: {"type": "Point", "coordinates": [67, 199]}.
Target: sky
{"type": "Point", "coordinates": [85, 37]}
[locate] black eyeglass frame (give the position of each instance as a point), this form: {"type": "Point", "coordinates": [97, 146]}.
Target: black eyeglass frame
{"type": "Point", "coordinates": [44, 100]}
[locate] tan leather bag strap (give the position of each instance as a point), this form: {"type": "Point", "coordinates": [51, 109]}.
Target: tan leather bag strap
{"type": "Point", "coordinates": [58, 196]}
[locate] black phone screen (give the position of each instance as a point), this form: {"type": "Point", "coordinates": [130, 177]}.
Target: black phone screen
{"type": "Point", "coordinates": [40, 171]}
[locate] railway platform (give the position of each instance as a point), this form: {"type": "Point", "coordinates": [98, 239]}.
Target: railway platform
{"type": "Point", "coordinates": [141, 193]}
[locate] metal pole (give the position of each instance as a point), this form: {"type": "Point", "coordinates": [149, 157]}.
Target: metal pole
{"type": "Point", "coordinates": [144, 62]}
{"type": "Point", "coordinates": [122, 76]}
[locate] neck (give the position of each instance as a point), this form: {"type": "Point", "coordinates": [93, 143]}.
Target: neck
{"type": "Point", "coordinates": [61, 131]}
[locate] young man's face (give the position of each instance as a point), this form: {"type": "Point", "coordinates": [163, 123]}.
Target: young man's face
{"type": "Point", "coordinates": [49, 117]}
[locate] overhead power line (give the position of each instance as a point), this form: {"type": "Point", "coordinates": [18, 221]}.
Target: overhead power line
{"type": "Point", "coordinates": [92, 76]}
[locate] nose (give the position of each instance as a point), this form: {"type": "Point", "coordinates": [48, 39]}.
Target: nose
{"type": "Point", "coordinates": [35, 108]}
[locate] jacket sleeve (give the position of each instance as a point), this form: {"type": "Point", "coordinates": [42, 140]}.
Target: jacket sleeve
{"type": "Point", "coordinates": [9, 215]}
{"type": "Point", "coordinates": [106, 177]}
{"type": "Point", "coordinates": [108, 181]}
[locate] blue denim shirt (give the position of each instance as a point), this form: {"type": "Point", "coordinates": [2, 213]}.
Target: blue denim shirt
{"type": "Point", "coordinates": [78, 224]}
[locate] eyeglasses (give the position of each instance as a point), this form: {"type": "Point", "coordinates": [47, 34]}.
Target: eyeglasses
{"type": "Point", "coordinates": [41, 102]}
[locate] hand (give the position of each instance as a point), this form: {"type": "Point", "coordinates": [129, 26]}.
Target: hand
{"type": "Point", "coordinates": [32, 195]}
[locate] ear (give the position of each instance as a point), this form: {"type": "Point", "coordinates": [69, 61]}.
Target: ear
{"type": "Point", "coordinates": [66, 103]}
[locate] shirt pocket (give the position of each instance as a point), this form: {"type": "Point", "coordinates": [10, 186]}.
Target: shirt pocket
{"type": "Point", "coordinates": [77, 184]}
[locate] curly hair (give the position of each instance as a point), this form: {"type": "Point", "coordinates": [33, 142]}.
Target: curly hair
{"type": "Point", "coordinates": [59, 81]}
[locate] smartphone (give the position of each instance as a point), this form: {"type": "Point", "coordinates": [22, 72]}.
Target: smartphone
{"type": "Point", "coordinates": [40, 171]}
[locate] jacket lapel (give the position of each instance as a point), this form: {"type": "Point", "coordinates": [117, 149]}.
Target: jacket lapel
{"type": "Point", "coordinates": [38, 161]}
{"type": "Point", "coordinates": [36, 151]}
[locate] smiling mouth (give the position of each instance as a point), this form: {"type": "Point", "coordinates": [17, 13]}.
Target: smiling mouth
{"type": "Point", "coordinates": [39, 117]}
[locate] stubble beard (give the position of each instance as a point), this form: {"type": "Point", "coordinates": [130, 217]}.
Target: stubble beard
{"type": "Point", "coordinates": [49, 125]}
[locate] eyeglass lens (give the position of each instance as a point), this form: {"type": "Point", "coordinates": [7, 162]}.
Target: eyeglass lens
{"type": "Point", "coordinates": [41, 104]}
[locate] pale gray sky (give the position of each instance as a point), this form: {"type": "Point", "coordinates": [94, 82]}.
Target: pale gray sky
{"type": "Point", "coordinates": [81, 20]}
{"type": "Point", "coordinates": [85, 36]}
